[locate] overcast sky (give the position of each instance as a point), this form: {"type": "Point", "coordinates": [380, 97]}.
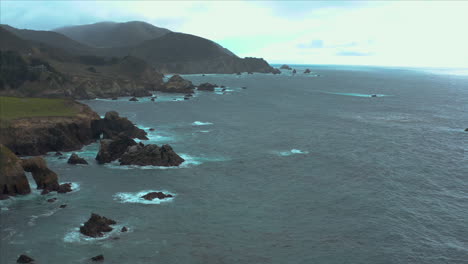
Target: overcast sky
{"type": "Point", "coordinates": [393, 33]}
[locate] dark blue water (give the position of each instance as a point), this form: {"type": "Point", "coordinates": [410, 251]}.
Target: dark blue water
{"type": "Point", "coordinates": [293, 169]}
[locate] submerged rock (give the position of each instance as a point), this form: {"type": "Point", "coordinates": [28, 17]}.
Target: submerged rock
{"type": "Point", "coordinates": [177, 84]}
{"type": "Point", "coordinates": [74, 159]}
{"type": "Point", "coordinates": [144, 155]}
{"type": "Point", "coordinates": [44, 177]}
{"type": "Point", "coordinates": [96, 226]}
{"type": "Point", "coordinates": [133, 99]}
{"type": "Point", "coordinates": [112, 125]}
{"type": "Point", "coordinates": [113, 149]}
{"type": "Point", "coordinates": [124, 229]}
{"type": "Point", "coordinates": [153, 195]}
{"type": "Point", "coordinates": [51, 200]}
{"type": "Point", "coordinates": [207, 87]}
{"type": "Point", "coordinates": [62, 206]}
{"type": "Point", "coordinates": [24, 259]}
{"type": "Point", "coordinates": [98, 258]}
{"type": "Point", "coordinates": [294, 71]}
{"type": "Point", "coordinates": [13, 181]}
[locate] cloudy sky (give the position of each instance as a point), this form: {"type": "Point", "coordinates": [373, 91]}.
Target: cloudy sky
{"type": "Point", "coordinates": [393, 33]}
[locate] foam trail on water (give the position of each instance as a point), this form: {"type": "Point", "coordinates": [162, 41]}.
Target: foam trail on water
{"type": "Point", "coordinates": [199, 123]}
{"type": "Point", "coordinates": [74, 236]}
{"type": "Point", "coordinates": [357, 94]}
{"type": "Point", "coordinates": [291, 152]}
{"type": "Point", "coordinates": [128, 197]}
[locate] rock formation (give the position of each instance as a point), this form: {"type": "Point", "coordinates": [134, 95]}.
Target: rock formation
{"type": "Point", "coordinates": [285, 67]}
{"type": "Point", "coordinates": [294, 71]}
{"type": "Point", "coordinates": [177, 84]}
{"type": "Point", "coordinates": [96, 226]}
{"type": "Point", "coordinates": [207, 87]}
{"type": "Point", "coordinates": [98, 258]}
{"type": "Point", "coordinates": [74, 159]}
{"type": "Point", "coordinates": [24, 259]}
{"type": "Point", "coordinates": [113, 149]}
{"type": "Point", "coordinates": [112, 125]}
{"type": "Point", "coordinates": [13, 181]}
{"type": "Point", "coordinates": [144, 155]}
{"type": "Point", "coordinates": [276, 71]}
{"type": "Point", "coordinates": [44, 177]}
{"type": "Point", "coordinates": [153, 195]}
{"type": "Point", "coordinates": [307, 71]}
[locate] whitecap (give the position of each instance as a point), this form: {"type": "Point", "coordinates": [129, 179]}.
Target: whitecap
{"type": "Point", "coordinates": [199, 123]}
{"type": "Point", "coordinates": [128, 197]}
{"type": "Point", "coordinates": [291, 152]}
{"type": "Point", "coordinates": [33, 219]}
{"type": "Point", "coordinates": [358, 94]}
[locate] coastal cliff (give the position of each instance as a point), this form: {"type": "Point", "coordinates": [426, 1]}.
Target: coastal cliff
{"type": "Point", "coordinates": [13, 181]}
{"type": "Point", "coordinates": [35, 133]}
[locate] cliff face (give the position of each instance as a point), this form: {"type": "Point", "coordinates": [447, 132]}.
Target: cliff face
{"type": "Point", "coordinates": [38, 135]}
{"type": "Point", "coordinates": [13, 181]}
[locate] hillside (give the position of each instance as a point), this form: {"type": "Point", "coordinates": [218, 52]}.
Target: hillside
{"type": "Point", "coordinates": [110, 34]}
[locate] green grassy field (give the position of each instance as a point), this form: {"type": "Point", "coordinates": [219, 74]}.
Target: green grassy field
{"type": "Point", "coordinates": [14, 107]}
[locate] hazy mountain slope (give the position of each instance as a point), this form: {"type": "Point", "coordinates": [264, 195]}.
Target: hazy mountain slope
{"type": "Point", "coordinates": [110, 34]}
{"type": "Point", "coordinates": [52, 39]}
{"type": "Point", "coordinates": [10, 41]}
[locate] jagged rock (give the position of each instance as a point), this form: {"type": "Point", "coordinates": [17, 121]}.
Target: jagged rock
{"type": "Point", "coordinates": [177, 84]}
{"type": "Point", "coordinates": [62, 206]}
{"type": "Point", "coordinates": [124, 229]}
{"type": "Point", "coordinates": [276, 71]}
{"type": "Point", "coordinates": [150, 155]}
{"type": "Point", "coordinates": [112, 125]}
{"type": "Point", "coordinates": [44, 177]}
{"type": "Point", "coordinates": [51, 200]}
{"type": "Point", "coordinates": [285, 67]}
{"type": "Point", "coordinates": [115, 98]}
{"type": "Point", "coordinates": [113, 149]}
{"type": "Point", "coordinates": [294, 71]}
{"type": "Point", "coordinates": [466, 130]}
{"type": "Point", "coordinates": [74, 159]}
{"type": "Point", "coordinates": [64, 188]}
{"type": "Point", "coordinates": [13, 181]}
{"type": "Point", "coordinates": [57, 154]}
{"type": "Point", "coordinates": [307, 71]}
{"type": "Point", "coordinates": [133, 99]}
{"type": "Point", "coordinates": [98, 258]}
{"type": "Point", "coordinates": [153, 195]}
{"type": "Point", "coordinates": [207, 87]}
{"type": "Point", "coordinates": [24, 259]}
{"type": "Point", "coordinates": [96, 226]}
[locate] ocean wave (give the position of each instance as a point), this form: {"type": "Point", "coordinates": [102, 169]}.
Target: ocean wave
{"type": "Point", "coordinates": [128, 197]}
{"type": "Point", "coordinates": [291, 152]}
{"type": "Point", "coordinates": [32, 221]}
{"type": "Point", "coordinates": [358, 94]}
{"type": "Point", "coordinates": [199, 123]}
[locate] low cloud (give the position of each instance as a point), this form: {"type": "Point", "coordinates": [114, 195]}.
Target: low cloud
{"type": "Point", "coordinates": [315, 44]}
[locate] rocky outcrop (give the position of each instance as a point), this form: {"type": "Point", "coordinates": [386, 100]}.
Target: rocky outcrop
{"type": "Point", "coordinates": [96, 226]}
{"type": "Point", "coordinates": [307, 71]}
{"type": "Point", "coordinates": [133, 99]}
{"type": "Point", "coordinates": [24, 259]}
{"type": "Point", "coordinates": [156, 195]}
{"type": "Point", "coordinates": [177, 84]}
{"type": "Point", "coordinates": [276, 71]}
{"type": "Point", "coordinates": [144, 155]}
{"type": "Point", "coordinates": [466, 130]}
{"type": "Point", "coordinates": [112, 125]}
{"type": "Point", "coordinates": [207, 87]}
{"type": "Point", "coordinates": [98, 258]}
{"type": "Point", "coordinates": [39, 135]}
{"type": "Point", "coordinates": [44, 177]}
{"type": "Point", "coordinates": [75, 159]}
{"type": "Point", "coordinates": [13, 181]}
{"type": "Point", "coordinates": [285, 67]}
{"type": "Point", "coordinates": [294, 71]}
{"type": "Point", "coordinates": [113, 149]}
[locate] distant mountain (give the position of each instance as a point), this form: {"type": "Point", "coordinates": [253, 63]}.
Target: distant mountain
{"type": "Point", "coordinates": [52, 39]}
{"type": "Point", "coordinates": [166, 51]}
{"type": "Point", "coordinates": [111, 34]}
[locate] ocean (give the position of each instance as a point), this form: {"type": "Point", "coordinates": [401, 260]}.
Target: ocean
{"type": "Point", "coordinates": [291, 169]}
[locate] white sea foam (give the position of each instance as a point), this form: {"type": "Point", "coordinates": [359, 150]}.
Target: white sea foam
{"type": "Point", "coordinates": [74, 235]}
{"type": "Point", "coordinates": [358, 94]}
{"type": "Point", "coordinates": [291, 152]}
{"type": "Point", "coordinates": [128, 197]}
{"type": "Point", "coordinates": [48, 213]}
{"type": "Point", "coordinates": [199, 123]}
